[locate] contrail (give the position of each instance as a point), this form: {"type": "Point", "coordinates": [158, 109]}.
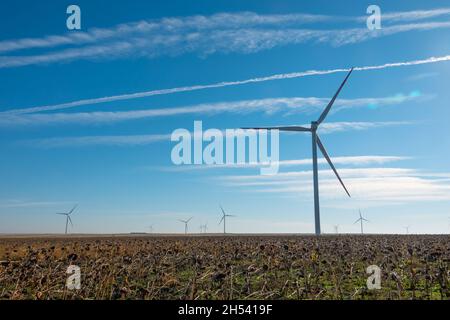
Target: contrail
{"type": "Point", "coordinates": [220, 85]}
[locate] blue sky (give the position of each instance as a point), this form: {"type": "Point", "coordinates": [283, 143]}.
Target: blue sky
{"type": "Point", "coordinates": [387, 133]}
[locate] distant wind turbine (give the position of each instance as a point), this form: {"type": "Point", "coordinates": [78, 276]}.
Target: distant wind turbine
{"type": "Point", "coordinates": [203, 228]}
{"type": "Point", "coordinates": [150, 227]}
{"type": "Point", "coordinates": [361, 219]}
{"type": "Point", "coordinates": [185, 224]}
{"type": "Point", "coordinates": [68, 219]}
{"type": "Point", "coordinates": [224, 219]}
{"type": "Point", "coordinates": [336, 229]}
{"type": "Point", "coordinates": [316, 143]}
{"type": "Point", "coordinates": [407, 229]}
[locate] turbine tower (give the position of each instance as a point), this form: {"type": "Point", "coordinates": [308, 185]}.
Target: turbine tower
{"type": "Point", "coordinates": [361, 219]}
{"type": "Point", "coordinates": [185, 224]}
{"type": "Point", "coordinates": [316, 143]}
{"type": "Point", "coordinates": [150, 227]}
{"type": "Point", "coordinates": [224, 218]}
{"type": "Point", "coordinates": [68, 219]}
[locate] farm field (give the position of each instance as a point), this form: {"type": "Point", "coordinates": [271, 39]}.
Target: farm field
{"type": "Point", "coordinates": [226, 267]}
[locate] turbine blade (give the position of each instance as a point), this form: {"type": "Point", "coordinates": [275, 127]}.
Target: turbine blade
{"type": "Point", "coordinates": [70, 220]}
{"type": "Point", "coordinates": [63, 214]}
{"type": "Point", "coordinates": [330, 104]}
{"type": "Point", "coordinates": [187, 221]}
{"type": "Point", "coordinates": [325, 154]}
{"type": "Point", "coordinates": [70, 212]}
{"type": "Point", "coordinates": [365, 220]}
{"type": "Point", "coordinates": [223, 211]}
{"type": "Point", "coordinates": [221, 219]}
{"type": "Point", "coordinates": [282, 128]}
{"type": "Point", "coordinates": [357, 221]}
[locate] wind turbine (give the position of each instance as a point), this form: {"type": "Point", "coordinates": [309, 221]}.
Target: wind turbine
{"type": "Point", "coordinates": [150, 227]}
{"type": "Point", "coordinates": [185, 224]}
{"type": "Point", "coordinates": [203, 228]}
{"type": "Point", "coordinates": [361, 219]}
{"type": "Point", "coordinates": [224, 218]}
{"type": "Point", "coordinates": [68, 219]}
{"type": "Point", "coordinates": [407, 229]}
{"type": "Point", "coordinates": [316, 143]}
{"type": "Point", "coordinates": [336, 229]}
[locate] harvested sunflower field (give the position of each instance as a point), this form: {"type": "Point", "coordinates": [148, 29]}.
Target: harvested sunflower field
{"type": "Point", "coordinates": [226, 267]}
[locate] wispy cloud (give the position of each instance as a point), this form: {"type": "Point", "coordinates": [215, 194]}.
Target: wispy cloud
{"type": "Point", "coordinates": [243, 41]}
{"type": "Point", "coordinates": [137, 140]}
{"type": "Point", "coordinates": [199, 23]}
{"type": "Point", "coordinates": [422, 76]}
{"type": "Point", "coordinates": [365, 184]}
{"type": "Point", "coordinates": [351, 36]}
{"type": "Point", "coordinates": [26, 204]}
{"type": "Point", "coordinates": [331, 127]}
{"type": "Point", "coordinates": [131, 140]}
{"type": "Point", "coordinates": [290, 105]}
{"type": "Point", "coordinates": [355, 161]}
{"type": "Point", "coordinates": [244, 32]}
{"type": "Point", "coordinates": [415, 15]}
{"type": "Point", "coordinates": [165, 26]}
{"type": "Point", "coordinates": [222, 84]}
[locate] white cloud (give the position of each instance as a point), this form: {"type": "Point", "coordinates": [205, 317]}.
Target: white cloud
{"type": "Point", "coordinates": [387, 185]}
{"type": "Point", "coordinates": [356, 161]}
{"type": "Point", "coordinates": [352, 36]}
{"type": "Point", "coordinates": [269, 106]}
{"type": "Point", "coordinates": [165, 26]}
{"type": "Point", "coordinates": [414, 15]}
{"type": "Point", "coordinates": [132, 140]}
{"type": "Point", "coordinates": [25, 203]}
{"type": "Point", "coordinates": [136, 140]}
{"type": "Point", "coordinates": [422, 76]}
{"type": "Point", "coordinates": [213, 41]}
{"type": "Point", "coordinates": [331, 127]}
{"type": "Point", "coordinates": [221, 84]}
{"type": "Point", "coordinates": [194, 25]}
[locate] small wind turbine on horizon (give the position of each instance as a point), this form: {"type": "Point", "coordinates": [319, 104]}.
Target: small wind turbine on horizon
{"type": "Point", "coordinates": [185, 224]}
{"type": "Point", "coordinates": [150, 227]}
{"type": "Point", "coordinates": [336, 229]}
{"type": "Point", "coordinates": [224, 218]}
{"type": "Point", "coordinates": [68, 219]}
{"type": "Point", "coordinates": [361, 219]}
{"type": "Point", "coordinates": [316, 143]}
{"type": "Point", "coordinates": [407, 229]}
{"type": "Point", "coordinates": [203, 228]}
